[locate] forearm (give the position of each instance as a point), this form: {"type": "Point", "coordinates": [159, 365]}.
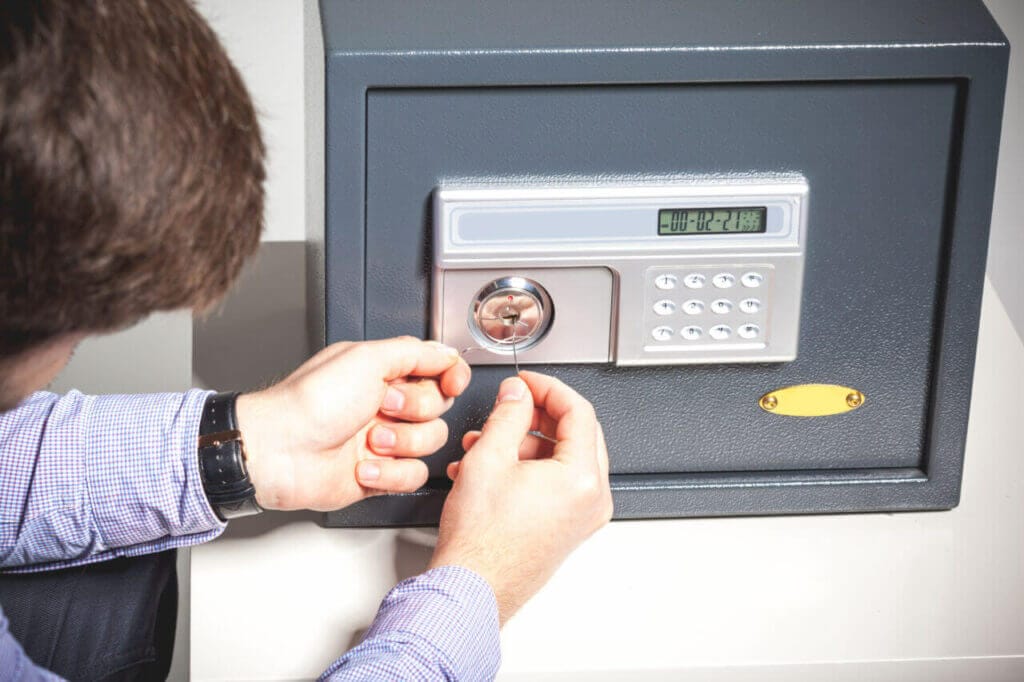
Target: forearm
{"type": "Point", "coordinates": [441, 625]}
{"type": "Point", "coordinates": [88, 478]}
{"type": "Point", "coordinates": [14, 663]}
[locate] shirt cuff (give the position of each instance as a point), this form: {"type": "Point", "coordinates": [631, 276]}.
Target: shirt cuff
{"type": "Point", "coordinates": [450, 611]}
{"type": "Point", "coordinates": [143, 468]}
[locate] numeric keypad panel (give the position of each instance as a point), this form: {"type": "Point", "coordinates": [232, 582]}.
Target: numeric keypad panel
{"type": "Point", "coordinates": [707, 307]}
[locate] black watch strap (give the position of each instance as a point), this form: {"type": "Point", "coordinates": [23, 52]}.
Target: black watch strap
{"type": "Point", "coordinates": [222, 460]}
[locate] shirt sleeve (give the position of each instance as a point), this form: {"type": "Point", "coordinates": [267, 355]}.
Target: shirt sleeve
{"type": "Point", "coordinates": [441, 625]}
{"type": "Point", "coordinates": [15, 665]}
{"type": "Point", "coordinates": [90, 478]}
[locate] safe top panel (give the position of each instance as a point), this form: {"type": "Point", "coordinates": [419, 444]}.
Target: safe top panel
{"type": "Point", "coordinates": [376, 27]}
{"type": "Point", "coordinates": [889, 112]}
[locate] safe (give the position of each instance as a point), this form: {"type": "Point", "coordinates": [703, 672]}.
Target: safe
{"type": "Point", "coordinates": [753, 234]}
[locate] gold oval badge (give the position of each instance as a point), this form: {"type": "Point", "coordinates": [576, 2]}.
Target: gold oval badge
{"type": "Point", "coordinates": [811, 400]}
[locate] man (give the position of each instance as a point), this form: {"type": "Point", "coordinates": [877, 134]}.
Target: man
{"type": "Point", "coordinates": [131, 172]}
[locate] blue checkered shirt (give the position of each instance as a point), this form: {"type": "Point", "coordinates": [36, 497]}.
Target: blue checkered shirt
{"type": "Point", "coordinates": [91, 478]}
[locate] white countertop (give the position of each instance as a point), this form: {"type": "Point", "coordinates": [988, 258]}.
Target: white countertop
{"type": "Point", "coordinates": [936, 595]}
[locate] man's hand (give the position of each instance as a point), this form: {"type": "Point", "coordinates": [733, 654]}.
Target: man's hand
{"type": "Point", "coordinates": [350, 423]}
{"type": "Point", "coordinates": [519, 505]}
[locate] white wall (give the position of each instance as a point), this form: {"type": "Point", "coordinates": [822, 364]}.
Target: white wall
{"type": "Point", "coordinates": [1006, 247]}
{"type": "Point", "coordinates": [265, 40]}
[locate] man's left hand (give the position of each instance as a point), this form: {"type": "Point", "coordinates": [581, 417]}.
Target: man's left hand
{"type": "Point", "coordinates": [350, 422]}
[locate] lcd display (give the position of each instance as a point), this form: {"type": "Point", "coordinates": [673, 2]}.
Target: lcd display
{"type": "Point", "coordinates": [677, 221]}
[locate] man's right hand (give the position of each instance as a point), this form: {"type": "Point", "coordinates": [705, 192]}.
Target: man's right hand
{"type": "Point", "coordinates": [519, 505]}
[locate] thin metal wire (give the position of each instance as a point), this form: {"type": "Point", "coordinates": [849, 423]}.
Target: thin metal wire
{"type": "Point", "coordinates": [515, 359]}
{"type": "Point", "coordinates": [515, 355]}
{"type": "Point", "coordinates": [538, 434]}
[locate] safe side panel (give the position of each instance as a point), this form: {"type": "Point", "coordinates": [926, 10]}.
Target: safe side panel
{"type": "Point", "coordinates": [876, 159]}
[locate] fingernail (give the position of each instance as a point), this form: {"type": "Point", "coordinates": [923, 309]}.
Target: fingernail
{"type": "Point", "coordinates": [447, 350]}
{"type": "Point", "coordinates": [394, 400]}
{"type": "Point", "coordinates": [368, 471]}
{"type": "Point", "coordinates": [512, 388]}
{"type": "Point", "coordinates": [382, 437]}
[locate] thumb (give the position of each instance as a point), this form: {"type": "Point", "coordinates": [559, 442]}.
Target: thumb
{"type": "Point", "coordinates": [507, 426]}
{"type": "Point", "coordinates": [408, 356]}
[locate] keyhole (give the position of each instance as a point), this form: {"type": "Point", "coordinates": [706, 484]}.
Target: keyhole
{"type": "Point", "coordinates": [510, 314]}
{"type": "Point", "coordinates": [509, 317]}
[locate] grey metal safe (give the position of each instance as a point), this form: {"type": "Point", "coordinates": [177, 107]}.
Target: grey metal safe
{"type": "Point", "coordinates": [752, 233]}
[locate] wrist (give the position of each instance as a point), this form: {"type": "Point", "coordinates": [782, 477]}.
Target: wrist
{"type": "Point", "coordinates": [254, 421]}
{"type": "Point", "coordinates": [503, 597]}
{"type": "Point", "coordinates": [222, 459]}
{"type": "Point", "coordinates": [269, 444]}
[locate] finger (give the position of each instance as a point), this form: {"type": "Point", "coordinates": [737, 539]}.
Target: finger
{"type": "Point", "coordinates": [418, 401]}
{"type": "Point", "coordinates": [453, 470]}
{"type": "Point", "coordinates": [392, 475]}
{"type": "Point", "coordinates": [507, 425]}
{"type": "Point", "coordinates": [469, 439]}
{"type": "Point", "coordinates": [409, 356]}
{"type": "Point", "coordinates": [576, 429]}
{"type": "Point", "coordinates": [455, 379]}
{"type": "Point", "coordinates": [539, 422]}
{"type": "Point", "coordinates": [403, 439]}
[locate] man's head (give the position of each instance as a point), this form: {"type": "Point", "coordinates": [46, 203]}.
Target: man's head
{"type": "Point", "coordinates": [131, 171]}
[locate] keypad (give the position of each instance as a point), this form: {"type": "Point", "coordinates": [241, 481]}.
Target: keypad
{"type": "Point", "coordinates": [705, 307]}
{"type": "Point", "coordinates": [664, 307]}
{"type": "Point", "coordinates": [693, 307]}
{"type": "Point", "coordinates": [750, 306]}
{"type": "Point", "coordinates": [752, 280]}
{"type": "Point", "coordinates": [721, 332]}
{"type": "Point", "coordinates": [666, 282]}
{"type": "Point", "coordinates": [749, 331]}
{"type": "Point", "coordinates": [721, 306]}
{"type": "Point", "coordinates": [723, 280]}
{"type": "Point", "coordinates": [694, 280]}
{"type": "Point", "coordinates": [662, 333]}
{"type": "Point", "coordinates": [691, 332]}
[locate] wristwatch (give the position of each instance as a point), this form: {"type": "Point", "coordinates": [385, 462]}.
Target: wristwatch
{"type": "Point", "coordinates": [222, 460]}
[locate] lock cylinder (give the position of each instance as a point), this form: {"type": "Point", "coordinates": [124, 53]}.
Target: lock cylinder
{"type": "Point", "coordinates": [510, 310]}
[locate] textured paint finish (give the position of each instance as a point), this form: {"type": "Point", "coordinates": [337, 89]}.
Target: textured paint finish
{"type": "Point", "coordinates": [892, 115]}
{"type": "Point", "coordinates": [874, 239]}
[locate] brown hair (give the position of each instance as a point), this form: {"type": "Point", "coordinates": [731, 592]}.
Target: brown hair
{"type": "Point", "coordinates": [131, 166]}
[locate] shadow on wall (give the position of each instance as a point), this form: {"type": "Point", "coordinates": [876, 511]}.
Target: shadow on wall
{"type": "Point", "coordinates": [258, 334]}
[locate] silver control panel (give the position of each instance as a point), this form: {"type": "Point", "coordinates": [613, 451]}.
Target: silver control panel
{"type": "Point", "coordinates": [698, 270]}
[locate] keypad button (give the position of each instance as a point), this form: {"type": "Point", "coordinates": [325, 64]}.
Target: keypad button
{"type": "Point", "coordinates": [694, 280]}
{"type": "Point", "coordinates": [693, 307]}
{"type": "Point", "coordinates": [662, 333]}
{"type": "Point", "coordinates": [665, 282]}
{"type": "Point", "coordinates": [691, 333]}
{"type": "Point", "coordinates": [749, 331]}
{"type": "Point", "coordinates": [664, 307]}
{"type": "Point", "coordinates": [752, 279]}
{"type": "Point", "coordinates": [720, 332]}
{"type": "Point", "coordinates": [722, 306]}
{"type": "Point", "coordinates": [750, 306]}
{"type": "Point", "coordinates": [723, 280]}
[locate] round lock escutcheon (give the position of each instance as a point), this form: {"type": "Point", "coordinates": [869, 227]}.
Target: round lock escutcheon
{"type": "Point", "coordinates": [510, 310]}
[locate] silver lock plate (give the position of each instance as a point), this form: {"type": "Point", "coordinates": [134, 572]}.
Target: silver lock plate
{"type": "Point", "coordinates": [569, 333]}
